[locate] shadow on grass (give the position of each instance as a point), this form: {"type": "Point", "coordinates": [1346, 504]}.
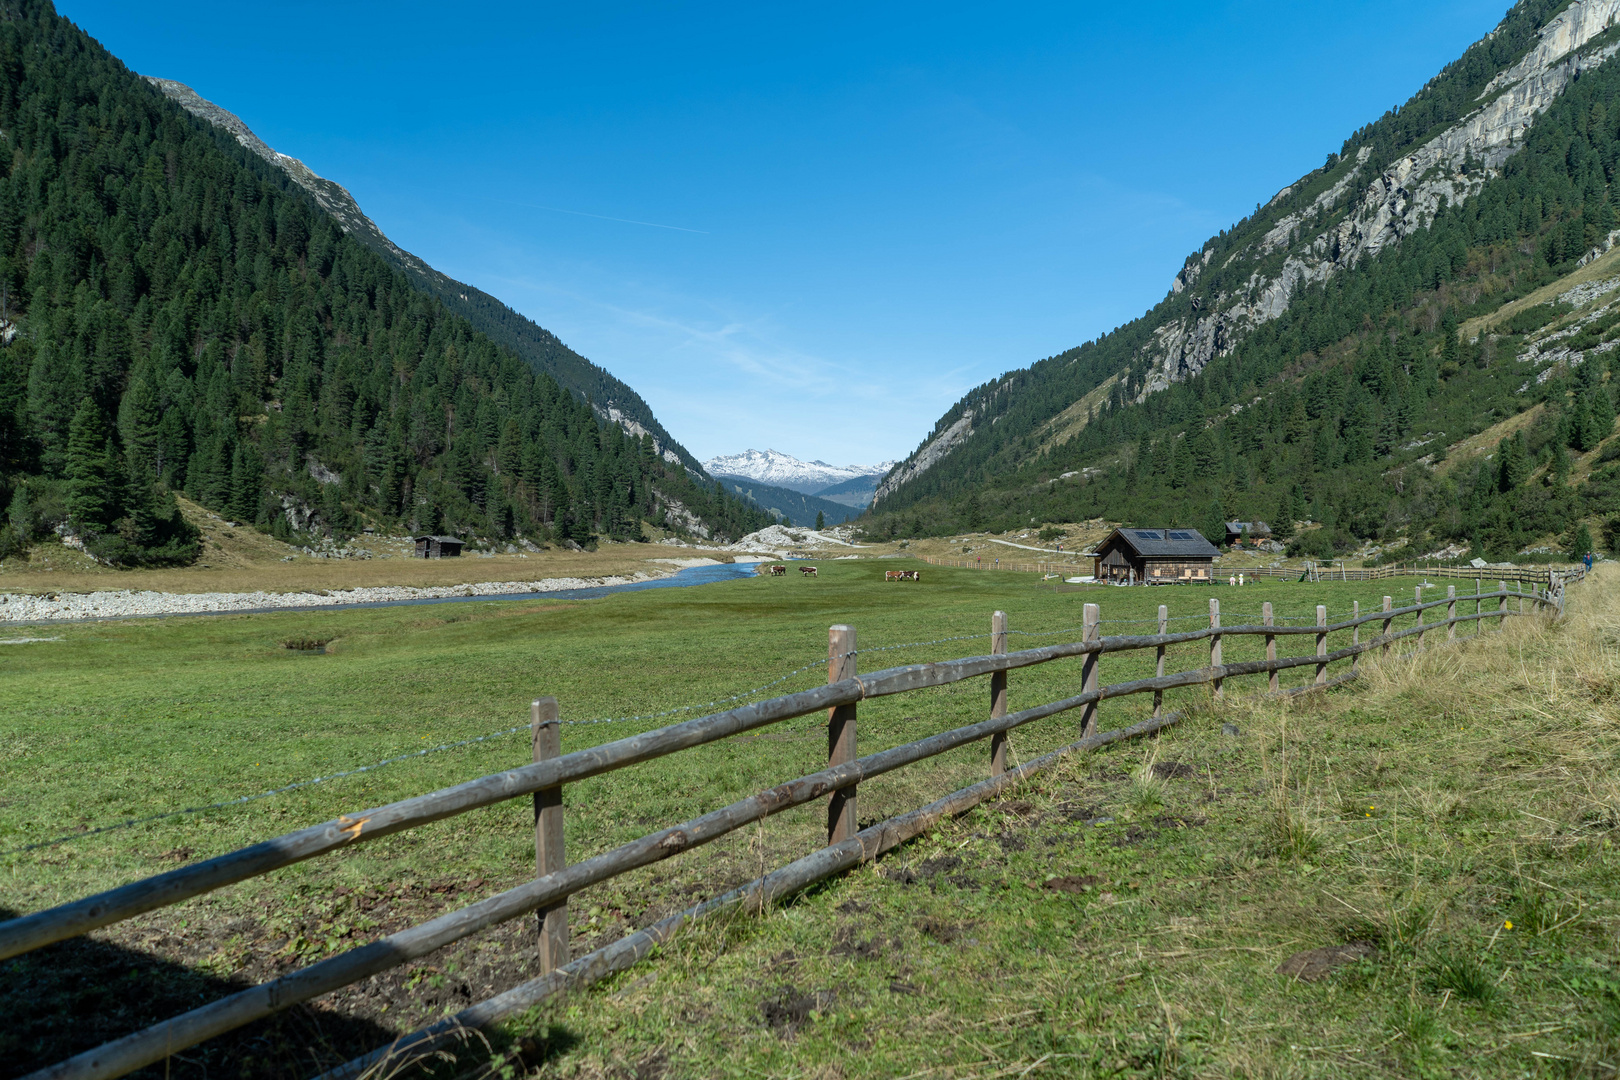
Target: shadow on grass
{"type": "Point", "coordinates": [73, 996]}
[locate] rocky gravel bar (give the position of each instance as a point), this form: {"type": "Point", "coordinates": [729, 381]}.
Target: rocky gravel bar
{"type": "Point", "coordinates": [129, 603]}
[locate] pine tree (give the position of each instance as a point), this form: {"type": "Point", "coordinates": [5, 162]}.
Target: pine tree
{"type": "Point", "coordinates": [1578, 542]}
{"type": "Point", "coordinates": [92, 501]}
{"type": "Point", "coordinates": [821, 521]}
{"type": "Point", "coordinates": [1215, 524]}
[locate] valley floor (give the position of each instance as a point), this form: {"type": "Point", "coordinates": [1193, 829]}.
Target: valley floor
{"type": "Point", "coordinates": [1123, 915]}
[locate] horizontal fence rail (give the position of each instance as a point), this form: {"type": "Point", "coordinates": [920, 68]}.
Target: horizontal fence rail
{"type": "Point", "coordinates": [1527, 575]}
{"type": "Point", "coordinates": [556, 881]}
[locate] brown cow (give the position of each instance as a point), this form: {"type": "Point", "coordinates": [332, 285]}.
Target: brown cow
{"type": "Point", "coordinates": [777, 571]}
{"type": "Point", "coordinates": [808, 571]}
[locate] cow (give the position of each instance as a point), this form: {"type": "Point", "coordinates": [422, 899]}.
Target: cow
{"type": "Point", "coordinates": [808, 571]}
{"type": "Point", "coordinates": [894, 575]}
{"type": "Point", "coordinates": [777, 571]}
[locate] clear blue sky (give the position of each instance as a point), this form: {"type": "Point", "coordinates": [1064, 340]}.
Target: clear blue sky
{"type": "Point", "coordinates": [809, 227]}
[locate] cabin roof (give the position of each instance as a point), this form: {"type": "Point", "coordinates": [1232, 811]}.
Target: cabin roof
{"type": "Point", "coordinates": [1189, 543]}
{"type": "Point", "coordinates": [442, 539]}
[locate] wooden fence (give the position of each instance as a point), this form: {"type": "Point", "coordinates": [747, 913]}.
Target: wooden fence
{"type": "Point", "coordinates": [996, 562]}
{"type": "Point", "coordinates": [1527, 575]}
{"type": "Point", "coordinates": [548, 893]}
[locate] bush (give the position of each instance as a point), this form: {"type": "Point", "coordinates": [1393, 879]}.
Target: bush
{"type": "Point", "coordinates": [1323, 543]}
{"type": "Point", "coordinates": [1051, 532]}
{"type": "Point", "coordinates": [12, 543]}
{"type": "Point", "coordinates": [1534, 318]}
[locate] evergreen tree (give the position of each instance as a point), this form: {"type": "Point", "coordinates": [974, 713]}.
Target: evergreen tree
{"type": "Point", "coordinates": [1215, 524]}
{"type": "Point", "coordinates": [1578, 541]}
{"type": "Point", "coordinates": [821, 521]}
{"type": "Point", "coordinates": [92, 503]}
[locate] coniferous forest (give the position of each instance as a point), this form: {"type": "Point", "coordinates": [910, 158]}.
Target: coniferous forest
{"type": "Point", "coordinates": [180, 318]}
{"type": "Point", "coordinates": [1339, 412]}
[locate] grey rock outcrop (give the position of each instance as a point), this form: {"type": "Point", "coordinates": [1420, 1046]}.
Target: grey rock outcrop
{"type": "Point", "coordinates": [923, 459]}
{"type": "Point", "coordinates": [1402, 198]}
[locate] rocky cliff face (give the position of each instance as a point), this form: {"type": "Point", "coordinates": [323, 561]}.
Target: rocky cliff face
{"type": "Point", "coordinates": [1371, 205]}
{"type": "Point", "coordinates": [614, 401]}
{"type": "Point", "coordinates": [1368, 213]}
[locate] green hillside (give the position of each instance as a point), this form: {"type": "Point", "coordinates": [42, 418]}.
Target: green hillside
{"type": "Point", "coordinates": [179, 316]}
{"type": "Point", "coordinates": [1340, 409]}
{"type": "Point", "coordinates": [795, 508]}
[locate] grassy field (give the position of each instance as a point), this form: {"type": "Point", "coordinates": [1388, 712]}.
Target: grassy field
{"type": "Point", "coordinates": [955, 956]}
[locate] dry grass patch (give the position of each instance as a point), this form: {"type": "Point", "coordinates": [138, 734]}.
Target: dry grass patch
{"type": "Point", "coordinates": [1413, 876]}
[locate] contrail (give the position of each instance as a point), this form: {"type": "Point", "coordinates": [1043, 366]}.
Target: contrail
{"type": "Point", "coordinates": [604, 217]}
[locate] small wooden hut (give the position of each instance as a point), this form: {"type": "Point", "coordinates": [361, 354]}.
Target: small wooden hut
{"type": "Point", "coordinates": [437, 547]}
{"type": "Point", "coordinates": [1155, 557]}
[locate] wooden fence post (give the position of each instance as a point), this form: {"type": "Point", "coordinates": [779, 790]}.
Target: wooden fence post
{"type": "Point", "coordinates": [1478, 594]}
{"type": "Point", "coordinates": [1451, 613]}
{"type": "Point", "coordinates": [1355, 633]}
{"type": "Point", "coordinates": [1215, 645]}
{"type": "Point", "coordinates": [1271, 644]}
{"type": "Point", "coordinates": [1389, 603]}
{"type": "Point", "coordinates": [1501, 604]}
{"type": "Point", "coordinates": [1518, 587]}
{"type": "Point", "coordinates": [1321, 644]}
{"type": "Point", "coordinates": [998, 693]}
{"type": "Point", "coordinates": [1164, 628]}
{"type": "Point", "coordinates": [1088, 673]}
{"type": "Point", "coordinates": [549, 855]}
{"type": "Point", "coordinates": [840, 733]}
{"type": "Point", "coordinates": [1419, 602]}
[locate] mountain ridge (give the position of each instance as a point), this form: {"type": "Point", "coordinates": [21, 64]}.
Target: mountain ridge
{"type": "Point", "coordinates": [1309, 367]}
{"type": "Point", "coordinates": [1387, 183]}
{"type": "Point", "coordinates": [611, 398]}
{"type": "Point", "coordinates": [784, 470]}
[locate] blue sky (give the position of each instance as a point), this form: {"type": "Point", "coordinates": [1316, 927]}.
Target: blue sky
{"type": "Point", "coordinates": [805, 227]}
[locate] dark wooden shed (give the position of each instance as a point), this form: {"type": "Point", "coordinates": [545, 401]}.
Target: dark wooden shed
{"type": "Point", "coordinates": [437, 547]}
{"type": "Point", "coordinates": [1252, 532]}
{"type": "Point", "coordinates": [1155, 557]}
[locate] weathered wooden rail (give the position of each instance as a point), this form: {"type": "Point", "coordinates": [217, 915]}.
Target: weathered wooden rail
{"type": "Point", "coordinates": [1549, 577]}
{"type": "Point", "coordinates": [548, 893]}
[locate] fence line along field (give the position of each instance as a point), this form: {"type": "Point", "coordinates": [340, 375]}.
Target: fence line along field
{"type": "Point", "coordinates": [750, 768]}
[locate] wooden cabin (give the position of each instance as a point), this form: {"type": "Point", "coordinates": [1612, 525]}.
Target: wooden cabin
{"type": "Point", "coordinates": [1155, 557]}
{"type": "Point", "coordinates": [437, 547]}
{"type": "Point", "coordinates": [1252, 532]}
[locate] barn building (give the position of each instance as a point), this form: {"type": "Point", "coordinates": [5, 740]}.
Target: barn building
{"type": "Point", "coordinates": [437, 547]}
{"type": "Point", "coordinates": [1155, 557]}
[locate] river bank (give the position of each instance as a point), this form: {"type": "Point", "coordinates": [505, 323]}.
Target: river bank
{"type": "Point", "coordinates": [18, 609]}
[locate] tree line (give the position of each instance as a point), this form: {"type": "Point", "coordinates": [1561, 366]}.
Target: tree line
{"type": "Point", "coordinates": [178, 317]}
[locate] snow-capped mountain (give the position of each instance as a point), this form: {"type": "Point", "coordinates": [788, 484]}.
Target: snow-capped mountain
{"type": "Point", "coordinates": [784, 470]}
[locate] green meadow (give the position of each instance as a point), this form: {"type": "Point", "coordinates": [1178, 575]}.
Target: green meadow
{"type": "Point", "coordinates": [1411, 812]}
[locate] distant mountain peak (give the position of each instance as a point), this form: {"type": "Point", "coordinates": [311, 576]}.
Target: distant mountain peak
{"type": "Point", "coordinates": [785, 470]}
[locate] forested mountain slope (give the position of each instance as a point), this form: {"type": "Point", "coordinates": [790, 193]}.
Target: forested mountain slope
{"type": "Point", "coordinates": [178, 315]}
{"type": "Point", "coordinates": [1307, 364]}
{"type": "Point", "coordinates": [612, 398]}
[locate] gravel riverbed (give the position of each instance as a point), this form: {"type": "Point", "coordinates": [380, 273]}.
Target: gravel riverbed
{"type": "Point", "coordinates": [129, 603]}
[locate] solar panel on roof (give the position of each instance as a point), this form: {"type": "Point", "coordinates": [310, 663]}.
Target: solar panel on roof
{"type": "Point", "coordinates": [1177, 534]}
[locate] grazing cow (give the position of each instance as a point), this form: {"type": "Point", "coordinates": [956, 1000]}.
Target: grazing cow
{"type": "Point", "coordinates": [777, 571]}
{"type": "Point", "coordinates": [894, 575]}
{"type": "Point", "coordinates": [808, 571]}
